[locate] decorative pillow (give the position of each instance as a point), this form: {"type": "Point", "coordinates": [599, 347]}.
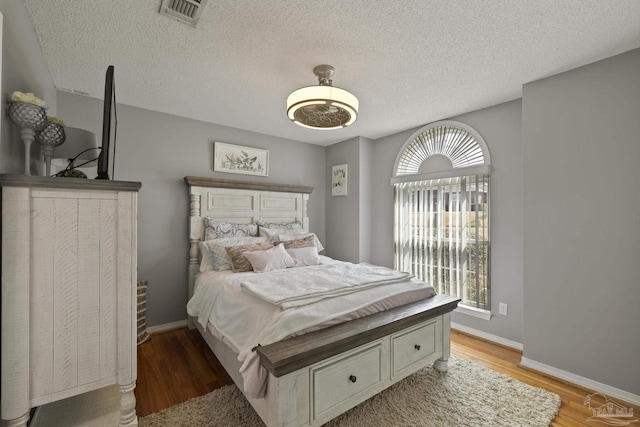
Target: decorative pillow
{"type": "Point", "coordinates": [214, 254]}
{"type": "Point", "coordinates": [216, 229]}
{"type": "Point", "coordinates": [287, 237]}
{"type": "Point", "coordinates": [275, 258]}
{"type": "Point", "coordinates": [239, 262]}
{"type": "Point", "coordinates": [305, 256]}
{"type": "Point", "coordinates": [288, 226]}
{"type": "Point", "coordinates": [304, 242]}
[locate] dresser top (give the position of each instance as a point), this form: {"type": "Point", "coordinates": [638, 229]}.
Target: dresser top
{"type": "Point", "coordinates": [7, 180]}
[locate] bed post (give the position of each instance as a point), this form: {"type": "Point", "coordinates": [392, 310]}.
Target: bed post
{"type": "Point", "coordinates": [305, 215]}
{"type": "Point", "coordinates": [442, 364]}
{"type": "Point", "coordinates": [195, 233]}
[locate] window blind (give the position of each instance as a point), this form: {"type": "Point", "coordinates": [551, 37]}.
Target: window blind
{"type": "Point", "coordinates": [442, 235]}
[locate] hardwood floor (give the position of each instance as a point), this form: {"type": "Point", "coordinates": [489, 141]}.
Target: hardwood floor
{"type": "Point", "coordinates": [176, 366]}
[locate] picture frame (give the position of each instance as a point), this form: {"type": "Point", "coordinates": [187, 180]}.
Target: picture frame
{"type": "Point", "coordinates": [232, 158]}
{"type": "Point", "coordinates": [339, 180]}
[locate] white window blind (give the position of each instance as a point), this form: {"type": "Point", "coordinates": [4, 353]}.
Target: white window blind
{"type": "Point", "coordinates": [442, 235]}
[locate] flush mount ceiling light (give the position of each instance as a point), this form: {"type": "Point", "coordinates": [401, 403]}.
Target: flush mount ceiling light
{"type": "Point", "coordinates": [323, 106]}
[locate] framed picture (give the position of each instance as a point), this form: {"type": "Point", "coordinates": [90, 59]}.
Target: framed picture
{"type": "Point", "coordinates": [339, 180]}
{"type": "Point", "coordinates": [238, 159]}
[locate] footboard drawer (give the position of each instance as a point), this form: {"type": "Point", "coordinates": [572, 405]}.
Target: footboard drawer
{"type": "Point", "coordinates": [416, 347]}
{"type": "Point", "coordinates": [346, 381]}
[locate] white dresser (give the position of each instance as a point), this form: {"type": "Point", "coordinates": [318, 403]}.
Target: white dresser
{"type": "Point", "coordinates": [69, 272]}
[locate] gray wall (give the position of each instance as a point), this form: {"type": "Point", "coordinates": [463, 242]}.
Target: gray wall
{"type": "Point", "coordinates": [366, 199]}
{"type": "Point", "coordinates": [500, 127]}
{"type": "Point", "coordinates": [23, 69]}
{"type": "Point", "coordinates": [159, 150]}
{"type": "Point", "coordinates": [581, 151]}
{"type": "Point", "coordinates": [349, 217]}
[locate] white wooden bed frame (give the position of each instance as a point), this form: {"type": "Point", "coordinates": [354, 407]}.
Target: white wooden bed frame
{"type": "Point", "coordinates": [308, 383]}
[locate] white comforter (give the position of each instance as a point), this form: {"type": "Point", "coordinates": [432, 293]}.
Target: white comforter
{"type": "Point", "coordinates": [242, 320]}
{"type": "Point", "coordinates": [287, 290]}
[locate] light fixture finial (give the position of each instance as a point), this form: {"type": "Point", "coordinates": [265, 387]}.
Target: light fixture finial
{"type": "Point", "coordinates": [323, 106]}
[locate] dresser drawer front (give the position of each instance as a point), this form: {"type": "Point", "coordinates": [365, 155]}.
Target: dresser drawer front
{"type": "Point", "coordinates": [347, 379]}
{"type": "Point", "coordinates": [420, 345]}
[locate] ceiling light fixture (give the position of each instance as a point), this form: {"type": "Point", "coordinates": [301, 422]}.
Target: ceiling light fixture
{"type": "Point", "coordinates": [323, 106]}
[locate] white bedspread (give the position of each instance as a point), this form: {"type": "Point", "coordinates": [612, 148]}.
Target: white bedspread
{"type": "Point", "coordinates": [243, 321]}
{"type": "Point", "coordinates": [286, 289]}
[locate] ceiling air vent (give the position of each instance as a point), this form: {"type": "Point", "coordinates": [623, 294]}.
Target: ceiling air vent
{"type": "Point", "coordinates": [186, 11]}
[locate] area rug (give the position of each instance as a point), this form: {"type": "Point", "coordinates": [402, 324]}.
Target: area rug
{"type": "Point", "coordinates": [467, 395]}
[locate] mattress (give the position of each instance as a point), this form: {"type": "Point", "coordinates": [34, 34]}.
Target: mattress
{"type": "Point", "coordinates": [242, 321]}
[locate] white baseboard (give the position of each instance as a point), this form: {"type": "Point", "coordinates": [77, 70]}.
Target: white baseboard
{"type": "Point", "coordinates": [487, 336]}
{"type": "Point", "coordinates": [167, 326]}
{"type": "Point", "coordinates": [582, 381]}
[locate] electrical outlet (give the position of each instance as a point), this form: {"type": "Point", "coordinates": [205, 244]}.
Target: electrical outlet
{"type": "Point", "coordinates": [502, 309]}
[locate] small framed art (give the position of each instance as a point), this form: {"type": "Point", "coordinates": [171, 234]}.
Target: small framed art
{"type": "Point", "coordinates": [239, 159]}
{"type": "Point", "coordinates": [339, 180]}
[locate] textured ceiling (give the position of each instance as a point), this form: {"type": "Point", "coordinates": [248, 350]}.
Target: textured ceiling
{"type": "Point", "coordinates": [410, 62]}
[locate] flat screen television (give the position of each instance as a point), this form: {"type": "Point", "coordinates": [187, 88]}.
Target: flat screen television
{"type": "Point", "coordinates": [106, 158]}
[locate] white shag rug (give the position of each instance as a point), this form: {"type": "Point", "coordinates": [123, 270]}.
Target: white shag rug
{"type": "Point", "coordinates": [467, 395]}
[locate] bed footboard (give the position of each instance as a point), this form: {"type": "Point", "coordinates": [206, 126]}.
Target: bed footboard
{"type": "Point", "coordinates": [318, 376]}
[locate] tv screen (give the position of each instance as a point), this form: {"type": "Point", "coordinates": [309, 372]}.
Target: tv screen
{"type": "Point", "coordinates": [109, 127]}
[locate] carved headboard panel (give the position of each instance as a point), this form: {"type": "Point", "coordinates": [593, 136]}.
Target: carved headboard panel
{"type": "Point", "coordinates": [240, 202]}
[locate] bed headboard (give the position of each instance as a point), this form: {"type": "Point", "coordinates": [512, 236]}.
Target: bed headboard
{"type": "Point", "coordinates": [242, 202]}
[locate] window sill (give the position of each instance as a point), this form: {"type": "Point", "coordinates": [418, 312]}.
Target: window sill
{"type": "Point", "coordinates": [474, 312]}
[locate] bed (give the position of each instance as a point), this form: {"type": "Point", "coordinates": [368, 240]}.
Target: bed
{"type": "Point", "coordinates": [314, 374]}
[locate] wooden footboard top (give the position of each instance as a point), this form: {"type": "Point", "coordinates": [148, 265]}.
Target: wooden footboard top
{"type": "Point", "coordinates": [292, 354]}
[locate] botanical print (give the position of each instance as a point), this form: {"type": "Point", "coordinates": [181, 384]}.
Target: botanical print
{"type": "Point", "coordinates": [339, 180]}
{"type": "Point", "coordinates": [238, 159]}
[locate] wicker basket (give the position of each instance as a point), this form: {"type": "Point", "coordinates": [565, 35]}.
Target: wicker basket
{"type": "Point", "coordinates": [143, 335]}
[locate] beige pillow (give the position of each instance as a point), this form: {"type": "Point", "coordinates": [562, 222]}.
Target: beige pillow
{"type": "Point", "coordinates": [294, 243]}
{"type": "Point", "coordinates": [275, 258]}
{"type": "Point", "coordinates": [239, 262]}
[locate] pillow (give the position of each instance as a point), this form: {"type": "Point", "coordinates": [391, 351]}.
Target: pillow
{"type": "Point", "coordinates": [214, 255]}
{"type": "Point", "coordinates": [275, 258]}
{"type": "Point", "coordinates": [304, 242]}
{"type": "Point", "coordinates": [287, 237]}
{"type": "Point", "coordinates": [271, 233]}
{"type": "Point", "coordinates": [305, 256]}
{"type": "Point", "coordinates": [239, 262]}
{"type": "Point", "coordinates": [288, 226]}
{"type": "Point", "coordinates": [216, 229]}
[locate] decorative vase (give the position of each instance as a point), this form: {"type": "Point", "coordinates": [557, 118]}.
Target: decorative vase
{"type": "Point", "coordinates": [30, 118]}
{"type": "Point", "coordinates": [49, 138]}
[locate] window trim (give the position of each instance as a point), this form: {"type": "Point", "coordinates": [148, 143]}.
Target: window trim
{"type": "Point", "coordinates": [423, 149]}
{"type": "Point", "coordinates": [467, 310]}
{"type": "Point", "coordinates": [468, 171]}
{"type": "Point", "coordinates": [443, 174]}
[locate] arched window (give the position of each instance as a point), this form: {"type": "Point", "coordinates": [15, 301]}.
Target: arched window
{"type": "Point", "coordinates": [441, 225]}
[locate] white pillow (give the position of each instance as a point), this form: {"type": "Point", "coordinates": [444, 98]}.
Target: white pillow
{"type": "Point", "coordinates": [272, 233]}
{"type": "Point", "coordinates": [305, 256]}
{"type": "Point", "coordinates": [275, 258]}
{"type": "Point", "coordinates": [285, 237]}
{"type": "Point", "coordinates": [214, 255]}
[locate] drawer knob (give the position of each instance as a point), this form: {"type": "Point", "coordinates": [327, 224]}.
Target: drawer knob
{"type": "Point", "coordinates": [417, 347]}
{"type": "Point", "coordinates": [352, 378]}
